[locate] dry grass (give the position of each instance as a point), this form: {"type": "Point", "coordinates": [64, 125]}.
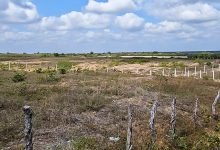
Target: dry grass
{"type": "Point", "coordinates": [84, 109]}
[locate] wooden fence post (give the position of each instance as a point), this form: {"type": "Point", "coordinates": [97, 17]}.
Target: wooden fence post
{"type": "Point", "coordinates": [28, 128]}
{"type": "Point", "coordinates": [188, 74]}
{"type": "Point", "coordinates": [200, 74]}
{"type": "Point", "coordinates": [214, 114]}
{"type": "Point", "coordinates": [173, 119]}
{"type": "Point", "coordinates": [204, 71]}
{"type": "Point", "coordinates": [56, 67]}
{"type": "Point", "coordinates": [163, 72]}
{"type": "Point", "coordinates": [195, 111]}
{"type": "Point", "coordinates": [26, 67]}
{"type": "Point", "coordinates": [185, 72]}
{"type": "Point", "coordinates": [195, 71]}
{"type": "Point", "coordinates": [150, 72]}
{"type": "Point", "coordinates": [9, 65]}
{"type": "Point", "coordinates": [129, 130]}
{"type": "Point", "coordinates": [152, 124]}
{"type": "Point", "coordinates": [213, 75]}
{"type": "Point", "coordinates": [175, 74]}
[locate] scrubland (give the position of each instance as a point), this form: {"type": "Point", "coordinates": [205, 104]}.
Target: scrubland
{"type": "Point", "coordinates": [82, 109]}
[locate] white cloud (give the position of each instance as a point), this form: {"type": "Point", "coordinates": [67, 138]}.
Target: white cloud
{"type": "Point", "coordinates": [130, 21]}
{"type": "Point", "coordinates": [112, 6]}
{"type": "Point", "coordinates": [74, 20]}
{"type": "Point", "coordinates": [168, 27]}
{"type": "Point", "coordinates": [185, 11]}
{"type": "Point", "coordinates": [17, 11]}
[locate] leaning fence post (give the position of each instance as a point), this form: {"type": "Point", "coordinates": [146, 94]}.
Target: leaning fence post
{"type": "Point", "coordinates": [152, 124]}
{"type": "Point", "coordinates": [129, 130]}
{"type": "Point", "coordinates": [195, 111]}
{"type": "Point", "coordinates": [173, 119]}
{"type": "Point", "coordinates": [214, 114]}
{"type": "Point", "coordinates": [28, 128]}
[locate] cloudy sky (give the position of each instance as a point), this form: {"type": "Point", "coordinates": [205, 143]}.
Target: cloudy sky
{"type": "Point", "coordinates": [109, 25]}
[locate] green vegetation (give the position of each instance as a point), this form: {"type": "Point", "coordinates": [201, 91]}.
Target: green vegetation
{"type": "Point", "coordinates": [18, 77]}
{"type": "Point", "coordinates": [173, 64]}
{"type": "Point", "coordinates": [67, 65]}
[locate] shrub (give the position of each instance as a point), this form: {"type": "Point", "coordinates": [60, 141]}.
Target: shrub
{"type": "Point", "coordinates": [39, 70]}
{"type": "Point", "coordinates": [56, 55]}
{"type": "Point", "coordinates": [18, 77]}
{"type": "Point", "coordinates": [209, 64]}
{"type": "Point", "coordinates": [205, 77]}
{"type": "Point", "coordinates": [51, 77]}
{"type": "Point", "coordinates": [65, 65]}
{"type": "Point", "coordinates": [62, 71]}
{"type": "Point", "coordinates": [84, 143]}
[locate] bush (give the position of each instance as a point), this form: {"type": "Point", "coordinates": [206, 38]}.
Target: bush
{"type": "Point", "coordinates": [84, 143]}
{"type": "Point", "coordinates": [65, 65]}
{"type": "Point", "coordinates": [39, 70]}
{"type": "Point", "coordinates": [205, 77]}
{"type": "Point", "coordinates": [51, 77]}
{"type": "Point", "coordinates": [209, 64]}
{"type": "Point", "coordinates": [18, 77]}
{"type": "Point", "coordinates": [62, 71]}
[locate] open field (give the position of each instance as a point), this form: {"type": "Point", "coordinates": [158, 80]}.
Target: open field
{"type": "Point", "coordinates": [81, 102]}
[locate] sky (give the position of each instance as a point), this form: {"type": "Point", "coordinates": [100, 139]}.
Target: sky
{"type": "Point", "coordinates": [80, 26]}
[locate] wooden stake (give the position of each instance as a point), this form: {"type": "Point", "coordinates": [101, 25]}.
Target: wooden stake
{"type": "Point", "coordinates": [175, 75]}
{"type": "Point", "coordinates": [195, 71]}
{"type": "Point", "coordinates": [26, 67]}
{"type": "Point", "coordinates": [28, 128]}
{"type": "Point", "coordinates": [9, 65]}
{"type": "Point", "coordinates": [56, 67]}
{"type": "Point", "coordinates": [200, 74]}
{"type": "Point", "coordinates": [129, 130]}
{"type": "Point", "coordinates": [195, 111]}
{"type": "Point", "coordinates": [213, 75]}
{"type": "Point", "coordinates": [214, 114]}
{"type": "Point", "coordinates": [173, 119]}
{"type": "Point", "coordinates": [152, 123]}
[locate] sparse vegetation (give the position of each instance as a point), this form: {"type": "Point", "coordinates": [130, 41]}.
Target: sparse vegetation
{"type": "Point", "coordinates": [83, 109]}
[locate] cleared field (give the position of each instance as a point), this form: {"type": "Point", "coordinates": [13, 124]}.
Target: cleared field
{"type": "Point", "coordinates": [86, 108]}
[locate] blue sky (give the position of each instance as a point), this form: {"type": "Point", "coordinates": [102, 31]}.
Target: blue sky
{"type": "Point", "coordinates": [74, 26]}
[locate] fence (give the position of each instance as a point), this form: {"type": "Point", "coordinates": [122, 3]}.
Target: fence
{"type": "Point", "coordinates": [152, 121]}
{"type": "Point", "coordinates": [199, 72]}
